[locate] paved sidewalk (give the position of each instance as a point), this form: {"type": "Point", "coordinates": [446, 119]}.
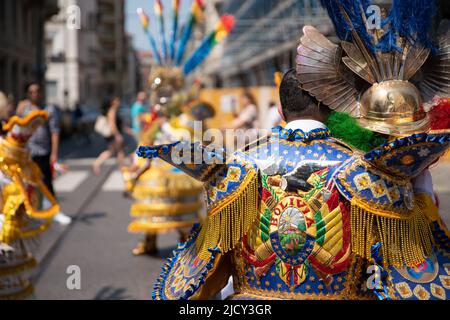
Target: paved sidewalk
{"type": "Point", "coordinates": [79, 156]}
{"type": "Point", "coordinates": [71, 204]}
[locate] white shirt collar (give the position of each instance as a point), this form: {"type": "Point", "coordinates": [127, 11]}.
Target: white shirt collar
{"type": "Point", "coordinates": [305, 125]}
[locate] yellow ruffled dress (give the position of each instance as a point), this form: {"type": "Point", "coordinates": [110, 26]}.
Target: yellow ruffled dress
{"type": "Point", "coordinates": [27, 206]}
{"type": "Point", "coordinates": [165, 199]}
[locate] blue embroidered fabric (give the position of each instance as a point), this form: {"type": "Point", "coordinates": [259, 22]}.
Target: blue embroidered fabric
{"type": "Point", "coordinates": [300, 135]}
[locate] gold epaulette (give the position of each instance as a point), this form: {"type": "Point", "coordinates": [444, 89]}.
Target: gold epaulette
{"type": "Point", "coordinates": [406, 240]}
{"type": "Point", "coordinates": [231, 218]}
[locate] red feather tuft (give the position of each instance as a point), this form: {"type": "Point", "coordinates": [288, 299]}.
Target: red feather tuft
{"type": "Point", "coordinates": [440, 115]}
{"type": "Point", "coordinates": [228, 22]}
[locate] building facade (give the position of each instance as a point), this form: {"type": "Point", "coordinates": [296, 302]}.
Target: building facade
{"type": "Point", "coordinates": [89, 60]}
{"type": "Point", "coordinates": [73, 72]}
{"type": "Point", "coordinates": [131, 81]}
{"type": "Point", "coordinates": [112, 45]}
{"type": "Point", "coordinates": [146, 63]}
{"type": "Point", "coordinates": [22, 49]}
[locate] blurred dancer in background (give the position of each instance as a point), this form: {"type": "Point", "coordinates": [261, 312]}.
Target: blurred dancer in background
{"type": "Point", "coordinates": [28, 206]}
{"type": "Point", "coordinates": [167, 199]}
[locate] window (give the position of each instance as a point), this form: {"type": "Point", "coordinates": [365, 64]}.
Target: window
{"type": "Point", "coordinates": [51, 90]}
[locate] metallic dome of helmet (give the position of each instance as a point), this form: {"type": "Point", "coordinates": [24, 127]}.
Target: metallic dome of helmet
{"type": "Point", "coordinates": [393, 107]}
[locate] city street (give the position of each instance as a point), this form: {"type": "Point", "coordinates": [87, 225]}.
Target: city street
{"type": "Point", "coordinates": [98, 242]}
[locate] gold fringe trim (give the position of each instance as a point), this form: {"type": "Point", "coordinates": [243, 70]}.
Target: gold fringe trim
{"type": "Point", "coordinates": [230, 219]}
{"type": "Point", "coordinates": [404, 241]}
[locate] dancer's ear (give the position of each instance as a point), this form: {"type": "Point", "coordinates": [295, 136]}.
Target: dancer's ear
{"type": "Point", "coordinates": [280, 111]}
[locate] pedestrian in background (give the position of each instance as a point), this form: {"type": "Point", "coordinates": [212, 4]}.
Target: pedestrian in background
{"type": "Point", "coordinates": [115, 139]}
{"type": "Point", "coordinates": [248, 115]}
{"type": "Point", "coordinates": [138, 109]}
{"type": "Point", "coordinates": [44, 144]}
{"type": "Point", "coordinates": [246, 120]}
{"type": "Point", "coordinates": [273, 116]}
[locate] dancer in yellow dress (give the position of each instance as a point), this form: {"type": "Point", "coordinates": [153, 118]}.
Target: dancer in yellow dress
{"type": "Point", "coordinates": [27, 206]}
{"type": "Point", "coordinates": [166, 199]}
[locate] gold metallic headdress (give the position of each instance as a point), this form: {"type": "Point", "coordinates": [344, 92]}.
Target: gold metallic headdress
{"type": "Point", "coordinates": [21, 129]}
{"type": "Point", "coordinates": [167, 85]}
{"type": "Point", "coordinates": [370, 74]}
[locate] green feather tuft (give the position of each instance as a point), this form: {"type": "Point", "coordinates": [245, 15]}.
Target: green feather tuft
{"type": "Point", "coordinates": [347, 129]}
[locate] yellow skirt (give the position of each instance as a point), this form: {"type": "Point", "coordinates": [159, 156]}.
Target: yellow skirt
{"type": "Point", "coordinates": [166, 199]}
